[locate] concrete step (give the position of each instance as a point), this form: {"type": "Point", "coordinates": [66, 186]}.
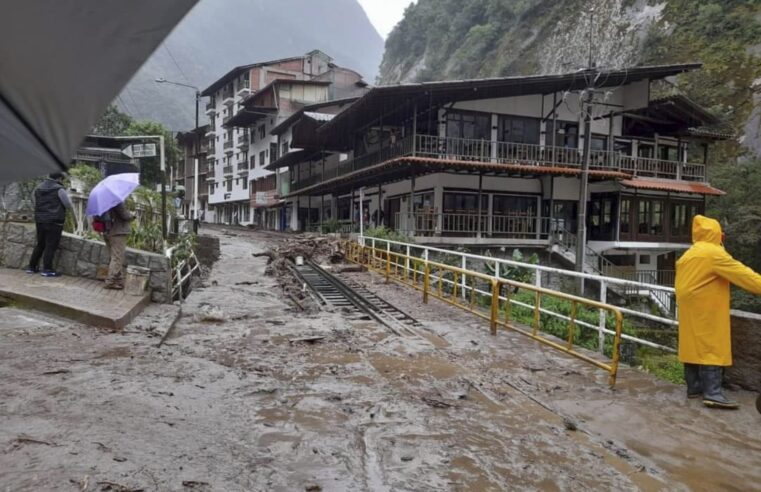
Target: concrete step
{"type": "Point", "coordinates": [75, 298]}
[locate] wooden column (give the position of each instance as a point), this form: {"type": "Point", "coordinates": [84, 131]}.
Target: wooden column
{"type": "Point", "coordinates": [480, 197]}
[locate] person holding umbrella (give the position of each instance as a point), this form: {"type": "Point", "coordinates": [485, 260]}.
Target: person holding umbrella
{"type": "Point", "coordinates": [113, 220]}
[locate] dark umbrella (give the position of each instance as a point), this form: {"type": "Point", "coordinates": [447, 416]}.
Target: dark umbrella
{"type": "Point", "coordinates": [61, 64]}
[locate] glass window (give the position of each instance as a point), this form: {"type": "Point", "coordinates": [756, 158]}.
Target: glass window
{"type": "Point", "coordinates": [245, 184]}
{"type": "Point", "coordinates": [423, 201]}
{"type": "Point", "coordinates": [262, 158]}
{"type": "Point", "coordinates": [515, 205]}
{"type": "Point", "coordinates": [625, 215]}
{"type": "Point", "coordinates": [464, 202]}
{"type": "Point", "coordinates": [262, 132]}
{"type": "Point", "coordinates": [469, 125]}
{"type": "Point", "coordinates": [567, 134]}
{"type": "Point", "coordinates": [599, 142]}
{"type": "Point", "coordinates": [518, 129]}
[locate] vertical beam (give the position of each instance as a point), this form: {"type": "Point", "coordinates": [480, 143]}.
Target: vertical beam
{"type": "Point", "coordinates": [414, 130]}
{"type": "Point", "coordinates": [411, 208]}
{"type": "Point", "coordinates": [554, 123]}
{"type": "Point", "coordinates": [351, 210]}
{"type": "Point", "coordinates": [494, 137]}
{"type": "Point", "coordinates": [480, 197]}
{"type": "Point", "coordinates": [379, 221]}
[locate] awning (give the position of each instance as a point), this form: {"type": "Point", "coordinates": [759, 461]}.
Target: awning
{"type": "Point", "coordinates": [403, 168]}
{"type": "Point", "coordinates": [675, 186]}
{"type": "Point", "coordinates": [61, 65]}
{"type": "Point", "coordinates": [249, 116]}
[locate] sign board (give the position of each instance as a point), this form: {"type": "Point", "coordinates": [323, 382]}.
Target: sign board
{"type": "Point", "coordinates": [137, 151]}
{"type": "Point", "coordinates": [261, 198]}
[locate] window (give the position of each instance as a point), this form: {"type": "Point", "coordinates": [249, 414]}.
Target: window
{"type": "Point", "coordinates": [245, 184]}
{"type": "Point", "coordinates": [517, 129]}
{"type": "Point", "coordinates": [458, 203]}
{"type": "Point", "coordinates": [567, 134]}
{"type": "Point", "coordinates": [626, 204]}
{"type": "Point", "coordinates": [681, 218]}
{"type": "Point", "coordinates": [273, 152]}
{"type": "Point", "coordinates": [469, 125]}
{"type": "Point", "coordinates": [515, 205]}
{"type": "Point", "coordinates": [211, 189]}
{"type": "Point", "coordinates": [262, 132]}
{"type": "Point", "coordinates": [252, 163]}
{"type": "Point", "coordinates": [599, 142]}
{"type": "Point", "coordinates": [668, 153]}
{"type": "Point", "coordinates": [262, 157]}
{"type": "Point", "coordinates": [644, 259]}
{"type": "Point", "coordinates": [229, 185]}
{"type": "Point", "coordinates": [650, 217]}
{"type": "Point", "coordinates": [285, 147]}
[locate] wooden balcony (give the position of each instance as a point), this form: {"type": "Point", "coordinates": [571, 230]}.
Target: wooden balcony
{"type": "Point", "coordinates": [460, 149]}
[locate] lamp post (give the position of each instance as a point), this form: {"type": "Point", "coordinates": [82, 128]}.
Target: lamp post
{"type": "Point", "coordinates": [196, 145]}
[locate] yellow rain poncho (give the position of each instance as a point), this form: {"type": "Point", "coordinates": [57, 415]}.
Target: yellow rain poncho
{"type": "Point", "coordinates": [703, 276]}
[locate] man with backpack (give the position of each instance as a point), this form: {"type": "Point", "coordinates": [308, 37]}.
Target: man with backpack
{"type": "Point", "coordinates": [50, 204]}
{"type": "Point", "coordinates": [116, 227]}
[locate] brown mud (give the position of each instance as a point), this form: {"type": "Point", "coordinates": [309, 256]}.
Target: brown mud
{"type": "Point", "coordinates": [276, 398]}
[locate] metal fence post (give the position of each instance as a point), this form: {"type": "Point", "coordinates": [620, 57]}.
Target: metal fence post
{"type": "Point", "coordinates": [426, 280]}
{"type": "Point", "coordinates": [407, 263]}
{"type": "Point", "coordinates": [495, 288]}
{"type": "Point", "coordinates": [601, 325]}
{"type": "Point", "coordinates": [388, 266]}
{"type": "Point", "coordinates": [463, 281]}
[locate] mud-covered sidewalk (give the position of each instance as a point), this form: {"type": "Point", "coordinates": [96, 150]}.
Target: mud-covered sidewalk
{"type": "Point", "coordinates": [251, 393]}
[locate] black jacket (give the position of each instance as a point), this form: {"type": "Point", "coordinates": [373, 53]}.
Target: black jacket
{"type": "Point", "coordinates": [48, 207]}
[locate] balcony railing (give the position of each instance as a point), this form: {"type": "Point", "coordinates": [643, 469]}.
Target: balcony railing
{"type": "Point", "coordinates": [227, 170]}
{"type": "Point", "coordinates": [228, 145]}
{"type": "Point", "coordinates": [243, 166]}
{"type": "Point", "coordinates": [211, 106]}
{"type": "Point", "coordinates": [470, 224]}
{"type": "Point", "coordinates": [462, 149]}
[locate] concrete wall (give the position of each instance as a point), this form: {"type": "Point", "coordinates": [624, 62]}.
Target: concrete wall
{"type": "Point", "coordinates": [79, 257]}
{"type": "Point", "coordinates": [746, 351]}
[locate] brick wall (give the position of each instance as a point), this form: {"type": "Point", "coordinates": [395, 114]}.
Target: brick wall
{"type": "Point", "coordinates": [79, 257]}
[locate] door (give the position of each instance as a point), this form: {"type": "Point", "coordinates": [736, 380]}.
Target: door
{"type": "Point", "coordinates": [393, 208]}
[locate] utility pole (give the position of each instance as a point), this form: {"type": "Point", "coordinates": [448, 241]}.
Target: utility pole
{"type": "Point", "coordinates": [581, 240]}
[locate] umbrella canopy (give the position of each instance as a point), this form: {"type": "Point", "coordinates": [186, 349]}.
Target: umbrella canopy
{"type": "Point", "coordinates": [61, 64]}
{"type": "Point", "coordinates": [111, 192]}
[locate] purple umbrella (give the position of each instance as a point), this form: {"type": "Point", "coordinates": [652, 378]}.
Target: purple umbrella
{"type": "Point", "coordinates": [111, 192]}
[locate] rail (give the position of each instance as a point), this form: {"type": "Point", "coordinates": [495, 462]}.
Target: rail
{"type": "Point", "coordinates": [182, 272]}
{"type": "Point", "coordinates": [500, 265]}
{"type": "Point", "coordinates": [473, 291]}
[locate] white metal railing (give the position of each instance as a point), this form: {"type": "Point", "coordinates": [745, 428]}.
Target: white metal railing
{"type": "Point", "coordinates": [510, 226]}
{"type": "Point", "coordinates": [182, 273]}
{"type": "Point", "coordinates": [504, 265]}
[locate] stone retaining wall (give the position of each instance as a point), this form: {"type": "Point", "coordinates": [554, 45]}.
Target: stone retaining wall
{"type": "Point", "coordinates": [79, 257]}
{"type": "Point", "coordinates": [746, 351]}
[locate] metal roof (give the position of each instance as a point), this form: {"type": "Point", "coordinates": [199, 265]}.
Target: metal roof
{"type": "Point", "coordinates": [675, 186]}
{"type": "Point", "coordinates": [387, 99]}
{"type": "Point", "coordinates": [283, 126]}
{"type": "Point", "coordinates": [235, 72]}
{"type": "Point", "coordinates": [403, 168]}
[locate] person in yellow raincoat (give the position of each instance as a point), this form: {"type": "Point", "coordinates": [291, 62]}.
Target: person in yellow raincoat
{"type": "Point", "coordinates": [703, 276]}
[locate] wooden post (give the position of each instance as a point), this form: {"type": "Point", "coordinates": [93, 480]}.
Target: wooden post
{"type": "Point", "coordinates": [414, 130]}
{"type": "Point", "coordinates": [480, 198]}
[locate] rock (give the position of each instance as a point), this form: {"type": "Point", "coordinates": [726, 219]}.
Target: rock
{"type": "Point", "coordinates": [570, 424]}
{"type": "Point", "coordinates": [313, 487]}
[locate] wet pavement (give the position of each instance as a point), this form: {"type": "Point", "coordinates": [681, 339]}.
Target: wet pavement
{"type": "Point", "coordinates": [251, 393]}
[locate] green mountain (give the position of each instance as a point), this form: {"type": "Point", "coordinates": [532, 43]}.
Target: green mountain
{"type": "Point", "coordinates": [457, 39]}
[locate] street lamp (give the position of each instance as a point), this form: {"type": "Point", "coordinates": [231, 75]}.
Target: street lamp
{"type": "Point", "coordinates": [162, 80]}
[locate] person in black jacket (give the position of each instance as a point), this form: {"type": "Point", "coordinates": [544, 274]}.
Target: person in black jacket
{"type": "Point", "coordinates": [50, 204]}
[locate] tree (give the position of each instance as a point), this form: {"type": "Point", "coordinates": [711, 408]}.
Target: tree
{"type": "Point", "coordinates": [113, 122]}
{"type": "Point", "coordinates": [150, 168]}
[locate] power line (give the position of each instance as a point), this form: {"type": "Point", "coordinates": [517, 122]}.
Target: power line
{"type": "Point", "coordinates": [182, 72]}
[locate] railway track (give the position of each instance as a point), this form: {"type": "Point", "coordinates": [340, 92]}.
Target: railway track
{"type": "Point", "coordinates": [352, 297]}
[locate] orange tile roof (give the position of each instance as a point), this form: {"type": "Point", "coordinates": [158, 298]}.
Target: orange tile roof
{"type": "Point", "coordinates": [676, 186]}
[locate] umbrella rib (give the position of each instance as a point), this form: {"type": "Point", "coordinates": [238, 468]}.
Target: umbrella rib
{"type": "Point", "coordinates": [31, 130]}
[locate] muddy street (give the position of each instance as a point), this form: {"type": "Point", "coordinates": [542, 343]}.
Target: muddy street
{"type": "Point", "coordinates": [249, 392]}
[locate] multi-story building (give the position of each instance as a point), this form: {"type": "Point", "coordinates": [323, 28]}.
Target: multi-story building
{"type": "Point", "coordinates": [245, 105]}
{"type": "Point", "coordinates": [498, 162]}
{"type": "Point", "coordinates": [185, 176]}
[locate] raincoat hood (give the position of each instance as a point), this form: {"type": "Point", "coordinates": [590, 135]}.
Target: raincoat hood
{"type": "Point", "coordinates": [706, 230]}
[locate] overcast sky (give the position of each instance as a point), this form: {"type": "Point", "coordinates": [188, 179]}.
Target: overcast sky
{"type": "Point", "coordinates": [385, 14]}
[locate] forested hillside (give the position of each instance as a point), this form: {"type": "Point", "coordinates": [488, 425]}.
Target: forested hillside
{"type": "Point", "coordinates": [455, 39]}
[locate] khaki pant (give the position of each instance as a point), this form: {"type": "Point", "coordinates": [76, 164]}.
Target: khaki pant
{"type": "Point", "coordinates": [116, 246]}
